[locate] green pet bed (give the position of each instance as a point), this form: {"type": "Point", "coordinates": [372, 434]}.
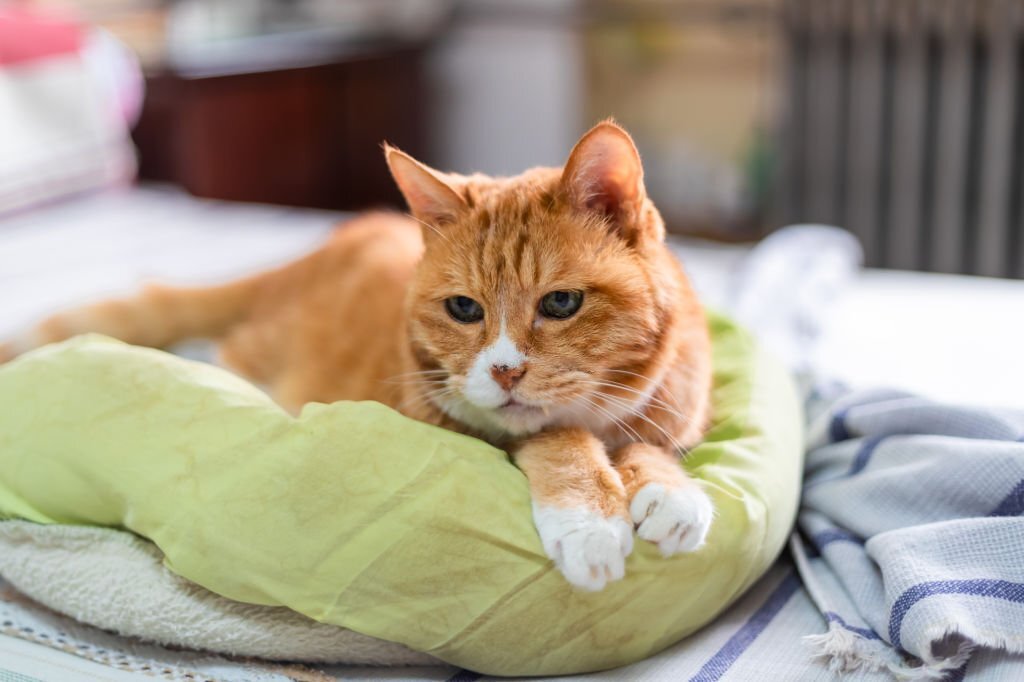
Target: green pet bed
{"type": "Point", "coordinates": [359, 517]}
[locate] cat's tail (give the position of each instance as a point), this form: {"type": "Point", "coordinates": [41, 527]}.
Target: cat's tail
{"type": "Point", "coordinates": [158, 316]}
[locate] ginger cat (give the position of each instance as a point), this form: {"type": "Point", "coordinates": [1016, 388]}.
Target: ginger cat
{"type": "Point", "coordinates": [541, 312]}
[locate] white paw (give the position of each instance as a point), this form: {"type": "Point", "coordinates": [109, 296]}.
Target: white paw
{"type": "Point", "coordinates": [589, 549]}
{"type": "Point", "coordinates": [676, 519]}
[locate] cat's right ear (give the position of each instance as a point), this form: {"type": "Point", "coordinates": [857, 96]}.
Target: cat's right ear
{"type": "Point", "coordinates": [429, 197]}
{"type": "Point", "coordinates": [604, 176]}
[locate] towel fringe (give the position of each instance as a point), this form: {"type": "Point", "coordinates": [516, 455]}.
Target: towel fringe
{"type": "Point", "coordinates": [847, 651]}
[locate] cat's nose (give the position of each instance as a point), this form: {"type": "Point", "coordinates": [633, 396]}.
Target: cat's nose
{"type": "Point", "coordinates": [507, 376]}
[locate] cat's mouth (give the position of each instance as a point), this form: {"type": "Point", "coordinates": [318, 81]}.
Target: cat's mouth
{"type": "Point", "coordinates": [515, 410]}
{"type": "Point", "coordinates": [518, 417]}
{"type": "Point", "coordinates": [513, 406]}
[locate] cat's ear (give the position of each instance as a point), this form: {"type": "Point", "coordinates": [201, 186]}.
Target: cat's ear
{"type": "Point", "coordinates": [604, 175]}
{"type": "Point", "coordinates": [429, 197]}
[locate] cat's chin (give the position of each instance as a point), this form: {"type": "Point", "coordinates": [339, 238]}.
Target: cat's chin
{"type": "Point", "coordinates": [511, 419]}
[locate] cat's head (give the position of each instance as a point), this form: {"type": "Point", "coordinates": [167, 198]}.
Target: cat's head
{"type": "Point", "coordinates": [537, 291]}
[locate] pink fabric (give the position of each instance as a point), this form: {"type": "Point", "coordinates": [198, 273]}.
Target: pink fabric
{"type": "Point", "coordinates": [28, 35]}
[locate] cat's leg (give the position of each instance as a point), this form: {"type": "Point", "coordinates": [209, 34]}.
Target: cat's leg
{"type": "Point", "coordinates": [668, 507]}
{"type": "Point", "coordinates": [158, 316]}
{"type": "Point", "coordinates": [579, 505]}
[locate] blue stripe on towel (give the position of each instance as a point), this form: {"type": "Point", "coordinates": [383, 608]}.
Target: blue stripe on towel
{"type": "Point", "coordinates": [833, 617]}
{"type": "Point", "coordinates": [863, 456]}
{"type": "Point", "coordinates": [982, 587]}
{"type": "Point", "coordinates": [827, 537]}
{"type": "Point", "coordinates": [837, 430]}
{"type": "Point", "coordinates": [810, 549]}
{"type": "Point", "coordinates": [1012, 504]}
{"type": "Point", "coordinates": [730, 652]}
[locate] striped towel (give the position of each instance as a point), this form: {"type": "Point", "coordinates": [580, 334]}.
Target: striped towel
{"type": "Point", "coordinates": [912, 542]}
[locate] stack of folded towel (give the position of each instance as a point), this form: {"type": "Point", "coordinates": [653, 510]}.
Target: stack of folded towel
{"type": "Point", "coordinates": [68, 94]}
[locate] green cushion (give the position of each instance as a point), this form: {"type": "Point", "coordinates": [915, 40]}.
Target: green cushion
{"type": "Point", "coordinates": [355, 515]}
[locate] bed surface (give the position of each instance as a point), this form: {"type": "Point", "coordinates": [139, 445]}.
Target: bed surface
{"type": "Point", "coordinates": [948, 337]}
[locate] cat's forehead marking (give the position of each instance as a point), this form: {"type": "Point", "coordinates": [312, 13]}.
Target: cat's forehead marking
{"type": "Point", "coordinates": [504, 351]}
{"type": "Point", "coordinates": [506, 315]}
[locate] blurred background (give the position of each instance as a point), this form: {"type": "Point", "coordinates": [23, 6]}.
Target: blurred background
{"type": "Point", "coordinates": [899, 120]}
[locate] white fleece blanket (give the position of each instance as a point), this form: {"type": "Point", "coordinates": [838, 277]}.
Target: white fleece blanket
{"type": "Point", "coordinates": [117, 581]}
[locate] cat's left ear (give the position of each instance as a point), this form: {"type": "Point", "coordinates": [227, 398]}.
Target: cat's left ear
{"type": "Point", "coordinates": [430, 198]}
{"type": "Point", "coordinates": [604, 175]}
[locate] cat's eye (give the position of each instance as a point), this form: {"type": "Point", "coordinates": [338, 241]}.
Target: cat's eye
{"type": "Point", "coordinates": [561, 304]}
{"type": "Point", "coordinates": [464, 309]}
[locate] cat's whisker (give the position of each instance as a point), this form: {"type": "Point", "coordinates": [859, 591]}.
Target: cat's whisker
{"type": "Point", "coordinates": [617, 424]}
{"type": "Point", "coordinates": [424, 397]}
{"type": "Point", "coordinates": [405, 408]}
{"type": "Point", "coordinates": [638, 409]}
{"type": "Point", "coordinates": [419, 382]}
{"type": "Point", "coordinates": [635, 411]}
{"type": "Point", "coordinates": [651, 382]}
{"type": "Point", "coordinates": [420, 374]}
{"type": "Point", "coordinates": [672, 407]}
{"type": "Point", "coordinates": [672, 439]}
{"type": "Point", "coordinates": [632, 374]}
{"type": "Point", "coordinates": [643, 398]}
{"type": "Point", "coordinates": [437, 391]}
{"type": "Point", "coordinates": [421, 371]}
{"type": "Point", "coordinates": [598, 411]}
{"type": "Point", "coordinates": [689, 371]}
{"type": "Point", "coordinates": [615, 419]}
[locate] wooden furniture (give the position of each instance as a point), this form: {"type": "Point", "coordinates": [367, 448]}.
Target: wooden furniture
{"type": "Point", "coordinates": [306, 135]}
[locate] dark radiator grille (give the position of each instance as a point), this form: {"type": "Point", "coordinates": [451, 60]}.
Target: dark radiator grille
{"type": "Point", "coordinates": [904, 123]}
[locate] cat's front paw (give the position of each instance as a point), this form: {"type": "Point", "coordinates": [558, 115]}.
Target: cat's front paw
{"type": "Point", "coordinates": [588, 548]}
{"type": "Point", "coordinates": [676, 519]}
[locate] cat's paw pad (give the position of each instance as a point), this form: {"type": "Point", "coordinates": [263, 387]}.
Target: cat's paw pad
{"type": "Point", "coordinates": [589, 549]}
{"type": "Point", "coordinates": [676, 519]}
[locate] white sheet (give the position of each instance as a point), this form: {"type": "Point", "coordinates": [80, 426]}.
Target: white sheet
{"type": "Point", "coordinates": [952, 338]}
{"type": "Point", "coordinates": [948, 337]}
